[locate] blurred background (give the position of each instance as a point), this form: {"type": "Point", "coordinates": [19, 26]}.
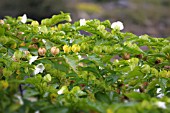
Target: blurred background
{"type": "Point", "coordinates": [139, 16]}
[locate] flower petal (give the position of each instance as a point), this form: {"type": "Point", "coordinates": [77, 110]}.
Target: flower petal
{"type": "Point", "coordinates": [20, 99]}
{"type": "Point", "coordinates": [161, 104]}
{"type": "Point", "coordinates": [117, 25]}
{"type": "Point", "coordinates": [44, 41]}
{"type": "Point", "coordinates": [24, 18]}
{"type": "Point", "coordinates": [39, 69]}
{"type": "Point", "coordinates": [82, 22]}
{"type": "Point", "coordinates": [32, 59]}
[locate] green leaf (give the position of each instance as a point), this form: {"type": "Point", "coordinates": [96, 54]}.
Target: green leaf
{"type": "Point", "coordinates": [71, 75]}
{"type": "Point", "coordinates": [61, 65]}
{"type": "Point", "coordinates": [57, 110]}
{"type": "Point", "coordinates": [152, 84]}
{"type": "Point", "coordinates": [77, 91]}
{"type": "Point", "coordinates": [163, 83]}
{"type": "Point", "coordinates": [2, 31]}
{"type": "Point", "coordinates": [3, 49]}
{"type": "Point", "coordinates": [111, 79]}
{"type": "Point", "coordinates": [48, 44]}
{"type": "Point", "coordinates": [72, 61]}
{"type": "Point", "coordinates": [137, 96]}
{"type": "Point", "coordinates": [103, 97]}
{"type": "Point", "coordinates": [136, 72]}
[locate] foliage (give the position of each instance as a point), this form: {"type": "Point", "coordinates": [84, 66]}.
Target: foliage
{"type": "Point", "coordinates": [64, 67]}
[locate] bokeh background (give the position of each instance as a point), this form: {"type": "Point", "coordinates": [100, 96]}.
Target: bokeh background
{"type": "Point", "coordinates": [139, 16]}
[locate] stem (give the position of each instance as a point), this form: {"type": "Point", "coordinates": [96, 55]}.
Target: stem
{"type": "Point", "coordinates": [21, 90]}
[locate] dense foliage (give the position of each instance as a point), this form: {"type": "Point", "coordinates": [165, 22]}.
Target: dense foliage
{"type": "Point", "coordinates": [84, 67]}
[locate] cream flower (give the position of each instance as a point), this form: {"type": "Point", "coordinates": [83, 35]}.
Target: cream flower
{"type": "Point", "coordinates": [32, 59]}
{"type": "Point", "coordinates": [37, 112]}
{"type": "Point", "coordinates": [69, 18]}
{"type": "Point", "coordinates": [161, 104]}
{"type": "Point", "coordinates": [39, 69]}
{"type": "Point", "coordinates": [44, 41]}
{"type": "Point", "coordinates": [117, 25]}
{"type": "Point", "coordinates": [82, 22]}
{"type": "Point", "coordinates": [62, 90]}
{"type": "Point", "coordinates": [24, 18]}
{"type": "Point", "coordinates": [160, 94]}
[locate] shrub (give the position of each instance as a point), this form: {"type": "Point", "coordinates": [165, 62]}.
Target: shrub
{"type": "Point", "coordinates": [89, 67]}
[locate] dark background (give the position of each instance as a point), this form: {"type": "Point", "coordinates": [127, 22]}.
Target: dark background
{"type": "Point", "coordinates": [139, 16]}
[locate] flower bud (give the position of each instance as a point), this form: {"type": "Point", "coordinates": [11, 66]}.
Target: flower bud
{"type": "Point", "coordinates": [84, 47]}
{"type": "Point", "coordinates": [14, 59]}
{"type": "Point", "coordinates": [154, 71]}
{"type": "Point", "coordinates": [2, 22]}
{"type": "Point", "coordinates": [18, 55]}
{"type": "Point", "coordinates": [53, 97]}
{"type": "Point", "coordinates": [6, 72]}
{"type": "Point", "coordinates": [75, 48]}
{"type": "Point", "coordinates": [33, 46]}
{"type": "Point", "coordinates": [158, 61]}
{"type": "Point", "coordinates": [22, 44]}
{"type": "Point", "coordinates": [97, 49]}
{"type": "Point", "coordinates": [34, 40]}
{"type": "Point", "coordinates": [145, 69]}
{"type": "Point", "coordinates": [20, 33]}
{"type": "Point", "coordinates": [34, 23]}
{"type": "Point", "coordinates": [126, 56]}
{"type": "Point", "coordinates": [26, 53]}
{"type": "Point", "coordinates": [7, 26]}
{"type": "Point", "coordinates": [107, 49]}
{"type": "Point", "coordinates": [47, 78]}
{"type": "Point", "coordinates": [164, 73]}
{"type": "Point", "coordinates": [140, 56]}
{"type": "Point", "coordinates": [42, 51]}
{"type": "Point", "coordinates": [66, 49]}
{"type": "Point", "coordinates": [54, 51]}
{"type": "Point", "coordinates": [4, 84]}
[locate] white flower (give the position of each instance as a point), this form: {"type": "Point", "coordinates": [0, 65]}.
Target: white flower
{"type": "Point", "coordinates": [24, 18]}
{"type": "Point", "coordinates": [161, 104]}
{"type": "Point", "coordinates": [136, 90]}
{"type": "Point", "coordinates": [117, 25]}
{"type": "Point", "coordinates": [82, 22]}
{"type": "Point", "coordinates": [69, 19]}
{"type": "Point", "coordinates": [32, 99]}
{"type": "Point", "coordinates": [37, 112]}
{"type": "Point", "coordinates": [44, 41]}
{"type": "Point", "coordinates": [39, 69]}
{"type": "Point", "coordinates": [71, 40]}
{"type": "Point", "coordinates": [158, 91]}
{"type": "Point", "coordinates": [62, 90]}
{"type": "Point", "coordinates": [80, 57]}
{"type": "Point", "coordinates": [116, 60]}
{"type": "Point", "coordinates": [20, 99]}
{"type": "Point", "coordinates": [160, 95]}
{"type": "Point", "coordinates": [32, 59]}
{"type": "Point", "coordinates": [100, 67]}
